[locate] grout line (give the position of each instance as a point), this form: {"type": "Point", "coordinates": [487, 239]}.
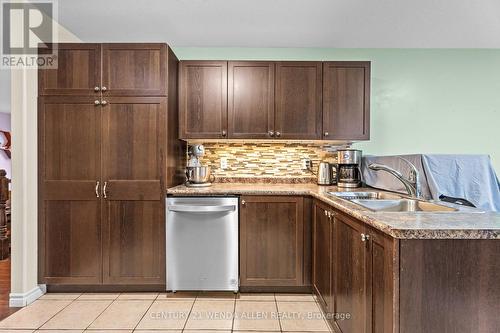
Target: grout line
{"type": "Point", "coordinates": [112, 301]}
{"type": "Point", "coordinates": [45, 322]}
{"type": "Point", "coordinates": [234, 314]}
{"type": "Point", "coordinates": [189, 314]}
{"type": "Point", "coordinates": [142, 317]}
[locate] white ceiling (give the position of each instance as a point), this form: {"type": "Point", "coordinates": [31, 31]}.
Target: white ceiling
{"type": "Point", "coordinates": [289, 23]}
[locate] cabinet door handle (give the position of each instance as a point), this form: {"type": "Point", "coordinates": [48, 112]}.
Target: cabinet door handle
{"type": "Point", "coordinates": [271, 133]}
{"type": "Point", "coordinates": [224, 133]}
{"type": "Point", "coordinates": [104, 89]}
{"type": "Point", "coordinates": [104, 103]}
{"type": "Point", "coordinates": [278, 134]}
{"type": "Point", "coordinates": [326, 134]}
{"type": "Point", "coordinates": [105, 195]}
{"type": "Point", "coordinates": [97, 89]}
{"type": "Point", "coordinates": [365, 238]}
{"type": "Point", "coordinates": [97, 102]}
{"type": "Point", "coordinates": [243, 202]}
{"type": "Point", "coordinates": [97, 189]}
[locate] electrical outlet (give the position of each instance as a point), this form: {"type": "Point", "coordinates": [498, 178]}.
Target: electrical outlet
{"type": "Point", "coordinates": [306, 164]}
{"type": "Point", "coordinates": [223, 163]}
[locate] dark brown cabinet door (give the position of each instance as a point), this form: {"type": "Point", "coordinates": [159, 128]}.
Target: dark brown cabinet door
{"type": "Point", "coordinates": [322, 254]}
{"type": "Point", "coordinates": [78, 71]}
{"type": "Point", "coordinates": [271, 241]}
{"type": "Point", "coordinates": [346, 100]}
{"type": "Point", "coordinates": [298, 100]}
{"type": "Point", "coordinates": [251, 99]}
{"type": "Point", "coordinates": [381, 277]}
{"type": "Point", "coordinates": [134, 69]}
{"type": "Point", "coordinates": [133, 198]}
{"type": "Point", "coordinates": [350, 279]}
{"type": "Point", "coordinates": [203, 99]}
{"type": "Point", "coordinates": [69, 204]}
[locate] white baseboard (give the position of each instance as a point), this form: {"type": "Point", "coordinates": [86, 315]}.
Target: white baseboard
{"type": "Point", "coordinates": [17, 300]}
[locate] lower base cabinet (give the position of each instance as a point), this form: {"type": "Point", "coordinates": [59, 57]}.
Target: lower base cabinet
{"type": "Point", "coordinates": [352, 272]}
{"type": "Point", "coordinates": [271, 241]}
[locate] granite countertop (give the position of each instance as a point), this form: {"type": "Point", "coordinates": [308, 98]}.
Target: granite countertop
{"type": "Point", "coordinates": [467, 224]}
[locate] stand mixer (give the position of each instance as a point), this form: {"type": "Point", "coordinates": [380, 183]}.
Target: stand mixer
{"type": "Point", "coordinates": [197, 175]}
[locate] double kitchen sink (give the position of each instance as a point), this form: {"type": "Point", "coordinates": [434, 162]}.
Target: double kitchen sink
{"type": "Point", "coordinates": [388, 202]}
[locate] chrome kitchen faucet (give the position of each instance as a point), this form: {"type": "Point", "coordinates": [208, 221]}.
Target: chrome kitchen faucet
{"type": "Point", "coordinates": [412, 184]}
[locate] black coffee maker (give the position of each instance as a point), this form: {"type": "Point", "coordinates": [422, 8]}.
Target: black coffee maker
{"type": "Point", "coordinates": [349, 168]}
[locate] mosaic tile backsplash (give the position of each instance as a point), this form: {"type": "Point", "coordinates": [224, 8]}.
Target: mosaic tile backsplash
{"type": "Point", "coordinates": [266, 160]}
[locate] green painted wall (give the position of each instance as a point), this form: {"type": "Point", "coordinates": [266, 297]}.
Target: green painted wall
{"type": "Point", "coordinates": [423, 100]}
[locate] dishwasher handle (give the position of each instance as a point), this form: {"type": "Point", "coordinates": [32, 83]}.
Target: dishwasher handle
{"type": "Point", "coordinates": [201, 209]}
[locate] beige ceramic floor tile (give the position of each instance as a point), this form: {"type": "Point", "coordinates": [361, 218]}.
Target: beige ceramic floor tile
{"type": "Point", "coordinates": [207, 314]}
{"type": "Point", "coordinates": [98, 296]}
{"type": "Point", "coordinates": [256, 315]}
{"type": "Point", "coordinates": [138, 296]}
{"type": "Point", "coordinates": [302, 316]}
{"type": "Point", "coordinates": [166, 315]}
{"type": "Point", "coordinates": [295, 298]}
{"type": "Point", "coordinates": [60, 296]}
{"type": "Point", "coordinates": [58, 331]}
{"type": "Point", "coordinates": [107, 331]}
{"type": "Point", "coordinates": [16, 331]}
{"type": "Point", "coordinates": [122, 315]}
{"type": "Point", "coordinates": [34, 315]}
{"type": "Point", "coordinates": [77, 315]}
{"type": "Point", "coordinates": [223, 295]}
{"type": "Point", "coordinates": [178, 296]}
{"type": "Point", "coordinates": [160, 331]}
{"type": "Point", "coordinates": [210, 331]}
{"type": "Point", "coordinates": [266, 297]}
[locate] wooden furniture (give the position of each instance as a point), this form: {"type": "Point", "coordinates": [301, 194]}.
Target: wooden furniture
{"type": "Point", "coordinates": [203, 99]}
{"type": "Point", "coordinates": [271, 242]}
{"type": "Point", "coordinates": [298, 100]}
{"type": "Point", "coordinates": [354, 272]}
{"type": "Point", "coordinates": [346, 100]}
{"type": "Point", "coordinates": [108, 149]}
{"type": "Point", "coordinates": [4, 231]}
{"type": "Point", "coordinates": [251, 100]}
{"type": "Point", "coordinates": [301, 100]}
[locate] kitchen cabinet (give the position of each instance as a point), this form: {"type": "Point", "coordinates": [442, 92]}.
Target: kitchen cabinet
{"type": "Point", "coordinates": [203, 99]}
{"type": "Point", "coordinates": [353, 272]}
{"type": "Point", "coordinates": [298, 100]}
{"type": "Point", "coordinates": [78, 71]}
{"type": "Point", "coordinates": [114, 69]}
{"type": "Point", "coordinates": [105, 162]}
{"type": "Point", "coordinates": [69, 206]}
{"type": "Point", "coordinates": [350, 285]}
{"type": "Point", "coordinates": [346, 100]}
{"type": "Point", "coordinates": [135, 69]}
{"type": "Point", "coordinates": [133, 215]}
{"type": "Point", "coordinates": [294, 100]}
{"type": "Point", "coordinates": [271, 241]}
{"type": "Point", "coordinates": [322, 254]}
{"type": "Point", "coordinates": [251, 100]}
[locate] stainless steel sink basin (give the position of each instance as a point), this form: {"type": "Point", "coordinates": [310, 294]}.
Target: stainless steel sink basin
{"type": "Point", "coordinates": [365, 195]}
{"type": "Point", "coordinates": [402, 205]}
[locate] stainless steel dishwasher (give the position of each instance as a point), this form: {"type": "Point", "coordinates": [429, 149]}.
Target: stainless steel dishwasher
{"type": "Point", "coordinates": [202, 243]}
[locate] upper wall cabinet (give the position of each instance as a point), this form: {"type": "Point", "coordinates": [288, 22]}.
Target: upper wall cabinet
{"type": "Point", "coordinates": [346, 100]}
{"type": "Point", "coordinates": [107, 70]}
{"type": "Point", "coordinates": [203, 99]}
{"type": "Point", "coordinates": [250, 99]}
{"type": "Point", "coordinates": [78, 72]}
{"type": "Point", "coordinates": [134, 69]}
{"type": "Point", "coordinates": [298, 100]}
{"type": "Point", "coordinates": [290, 100]}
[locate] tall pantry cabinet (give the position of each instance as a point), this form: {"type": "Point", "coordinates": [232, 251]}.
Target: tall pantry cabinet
{"type": "Point", "coordinates": [107, 150]}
